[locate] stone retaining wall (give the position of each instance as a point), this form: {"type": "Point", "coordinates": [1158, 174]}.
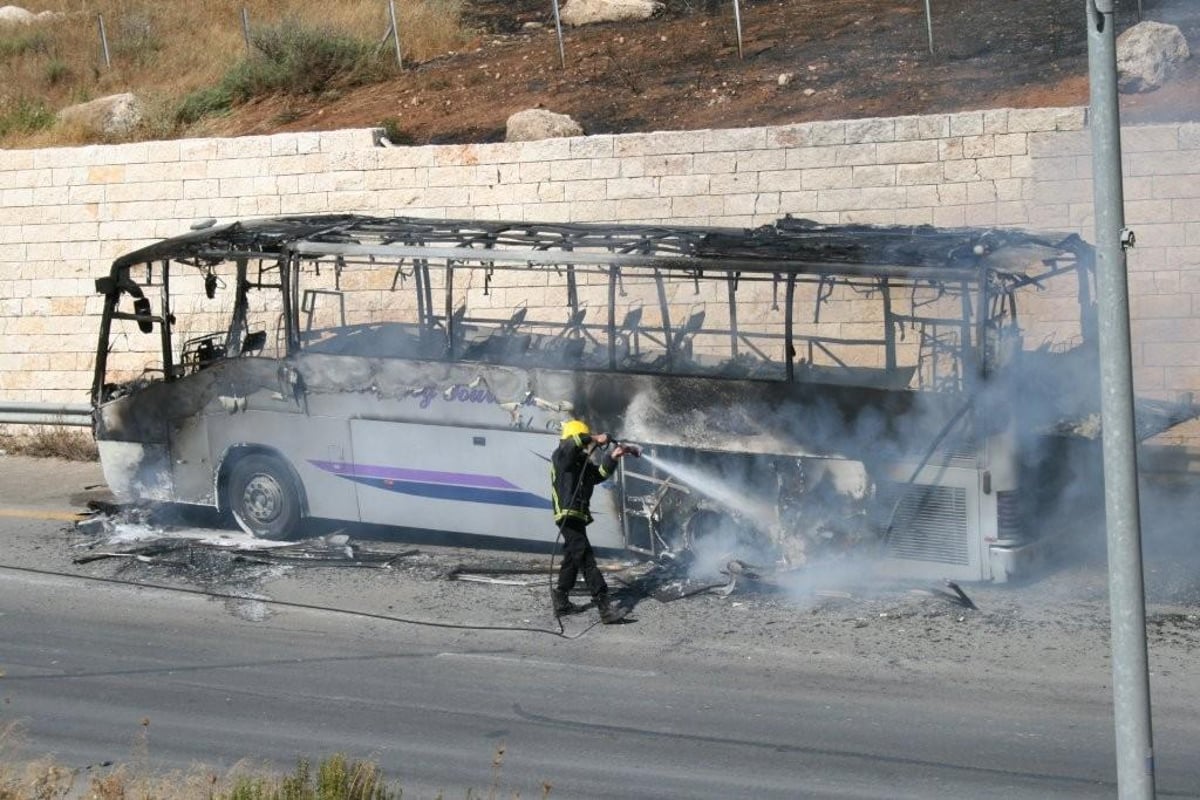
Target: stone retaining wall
{"type": "Point", "coordinates": [66, 213]}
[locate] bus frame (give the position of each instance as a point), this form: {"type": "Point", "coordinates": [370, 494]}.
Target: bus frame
{"type": "Point", "coordinates": [440, 413]}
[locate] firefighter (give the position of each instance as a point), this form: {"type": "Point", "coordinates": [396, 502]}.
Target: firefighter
{"type": "Point", "coordinates": [573, 475]}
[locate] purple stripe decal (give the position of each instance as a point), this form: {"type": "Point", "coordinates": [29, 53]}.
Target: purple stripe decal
{"type": "Point", "coordinates": [413, 475]}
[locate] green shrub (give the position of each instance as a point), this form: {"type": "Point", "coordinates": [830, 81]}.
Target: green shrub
{"type": "Point", "coordinates": [202, 103]}
{"type": "Point", "coordinates": [24, 116]}
{"type": "Point", "coordinates": [21, 42]}
{"type": "Point", "coordinates": [304, 60]}
{"type": "Point", "coordinates": [56, 71]}
{"type": "Point", "coordinates": [291, 59]}
{"type": "Point", "coordinates": [336, 779]}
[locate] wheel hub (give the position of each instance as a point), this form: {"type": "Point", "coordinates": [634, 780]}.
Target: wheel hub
{"type": "Point", "coordinates": [263, 498]}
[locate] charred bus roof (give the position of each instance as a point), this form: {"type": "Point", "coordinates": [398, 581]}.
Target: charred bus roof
{"type": "Point", "coordinates": [785, 247]}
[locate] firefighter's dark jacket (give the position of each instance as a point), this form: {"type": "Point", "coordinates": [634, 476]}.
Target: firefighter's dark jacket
{"type": "Point", "coordinates": [573, 476]}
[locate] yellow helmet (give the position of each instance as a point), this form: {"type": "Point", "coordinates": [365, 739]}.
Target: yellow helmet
{"type": "Point", "coordinates": [575, 427]}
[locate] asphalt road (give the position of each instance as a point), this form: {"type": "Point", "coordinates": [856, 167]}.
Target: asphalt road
{"type": "Point", "coordinates": [98, 672]}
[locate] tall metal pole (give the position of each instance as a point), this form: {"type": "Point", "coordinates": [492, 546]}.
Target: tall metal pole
{"type": "Point", "coordinates": [929, 25]}
{"type": "Point", "coordinates": [246, 29]}
{"type": "Point", "coordinates": [395, 32]}
{"type": "Point", "coordinates": [104, 41]}
{"type": "Point", "coordinates": [562, 53]}
{"type": "Point", "coordinates": [1127, 600]}
{"type": "Point", "coordinates": [737, 20]}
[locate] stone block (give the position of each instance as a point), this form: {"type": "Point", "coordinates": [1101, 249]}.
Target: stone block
{"type": "Point", "coordinates": [812, 157]}
{"type": "Point", "coordinates": [673, 164]}
{"type": "Point", "coordinates": [574, 169]}
{"type": "Point", "coordinates": [781, 137]}
{"type": "Point", "coordinates": [1174, 186]}
{"type": "Point", "coordinates": [1012, 213]}
{"type": "Point", "coordinates": [1175, 162]}
{"type": "Point", "coordinates": [934, 126]}
{"type": "Point", "coordinates": [832, 178]}
{"type": "Point", "coordinates": [1189, 137]}
{"type": "Point", "coordinates": [737, 139]}
{"type": "Point", "coordinates": [982, 192]}
{"type": "Point", "coordinates": [968, 123]}
{"type": "Point", "coordinates": [978, 146]}
{"type": "Point", "coordinates": [851, 155]}
{"type": "Point", "coordinates": [914, 152]}
{"type": "Point", "coordinates": [827, 133]}
{"type": "Point", "coordinates": [552, 192]}
{"type": "Point", "coordinates": [16, 160]}
{"type": "Point", "coordinates": [991, 169]}
{"type": "Point", "coordinates": [870, 130]}
{"type": "Point", "coordinates": [632, 167]}
{"type": "Point", "coordinates": [579, 191]}
{"type": "Point", "coordinates": [1029, 120]}
{"type": "Point", "coordinates": [631, 188]}
{"type": "Point", "coordinates": [600, 146]}
{"type": "Point", "coordinates": [733, 183]}
{"type": "Point", "coordinates": [917, 174]}
{"type": "Point", "coordinates": [799, 203]}
{"type": "Point", "coordinates": [701, 206]}
{"type": "Point", "coordinates": [1149, 138]}
{"type": "Point", "coordinates": [907, 128]}
{"type": "Point", "coordinates": [949, 216]}
{"type": "Point", "coordinates": [1010, 189]}
{"type": "Point", "coordinates": [760, 160]}
{"type": "Point", "coordinates": [716, 162]}
{"type": "Point", "coordinates": [1161, 306]}
{"type": "Point", "coordinates": [544, 150]}
{"type": "Point", "coordinates": [640, 209]}
{"type": "Point", "coordinates": [1170, 354]}
{"type": "Point", "coordinates": [995, 121]}
{"type": "Point", "coordinates": [681, 185]}
{"type": "Point", "coordinates": [837, 200]}
{"type": "Point", "coordinates": [875, 175]}
{"type": "Point", "coordinates": [914, 216]}
{"type": "Point", "coordinates": [112, 173]}
{"type": "Point", "coordinates": [960, 171]}
{"type": "Point", "coordinates": [1137, 211]}
{"type": "Point", "coordinates": [786, 180]}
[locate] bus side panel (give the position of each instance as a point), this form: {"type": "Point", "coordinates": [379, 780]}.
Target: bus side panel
{"type": "Point", "coordinates": [479, 481]}
{"type": "Point", "coordinates": [301, 440]}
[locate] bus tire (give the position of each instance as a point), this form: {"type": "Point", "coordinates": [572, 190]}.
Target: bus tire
{"type": "Point", "coordinates": [263, 497]}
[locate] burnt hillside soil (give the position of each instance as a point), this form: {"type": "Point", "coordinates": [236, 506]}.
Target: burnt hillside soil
{"type": "Point", "coordinates": [843, 59]}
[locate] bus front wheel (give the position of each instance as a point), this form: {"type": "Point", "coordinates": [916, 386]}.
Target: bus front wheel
{"type": "Point", "coordinates": [263, 497]}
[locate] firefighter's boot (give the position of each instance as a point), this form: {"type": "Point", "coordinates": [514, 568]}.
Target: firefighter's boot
{"type": "Point", "coordinates": [562, 603]}
{"type": "Point", "coordinates": [610, 611]}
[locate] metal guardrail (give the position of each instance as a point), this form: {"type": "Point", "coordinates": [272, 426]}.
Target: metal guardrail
{"type": "Point", "coordinates": [20, 413]}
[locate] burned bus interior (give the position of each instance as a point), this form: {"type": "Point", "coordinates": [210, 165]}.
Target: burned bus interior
{"type": "Point", "coordinates": [902, 390]}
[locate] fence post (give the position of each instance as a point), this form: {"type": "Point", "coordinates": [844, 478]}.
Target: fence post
{"type": "Point", "coordinates": [395, 32]}
{"type": "Point", "coordinates": [737, 21]}
{"type": "Point", "coordinates": [104, 41]}
{"type": "Point", "coordinates": [562, 54]}
{"type": "Point", "coordinates": [246, 28]}
{"type": "Point", "coordinates": [929, 25]}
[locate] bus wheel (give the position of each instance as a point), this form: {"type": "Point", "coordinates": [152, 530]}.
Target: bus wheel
{"type": "Point", "coordinates": [263, 497]}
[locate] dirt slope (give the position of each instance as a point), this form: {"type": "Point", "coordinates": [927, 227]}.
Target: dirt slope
{"type": "Point", "coordinates": [841, 59]}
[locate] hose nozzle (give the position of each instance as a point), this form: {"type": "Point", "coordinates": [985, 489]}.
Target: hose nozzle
{"type": "Point", "coordinates": [632, 449]}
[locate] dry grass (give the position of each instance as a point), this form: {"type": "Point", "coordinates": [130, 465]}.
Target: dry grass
{"type": "Point", "coordinates": [165, 51]}
{"type": "Point", "coordinates": [334, 778]}
{"type": "Point", "coordinates": [47, 441]}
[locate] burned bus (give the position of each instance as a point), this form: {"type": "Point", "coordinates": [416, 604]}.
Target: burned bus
{"type": "Point", "coordinates": [807, 389]}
